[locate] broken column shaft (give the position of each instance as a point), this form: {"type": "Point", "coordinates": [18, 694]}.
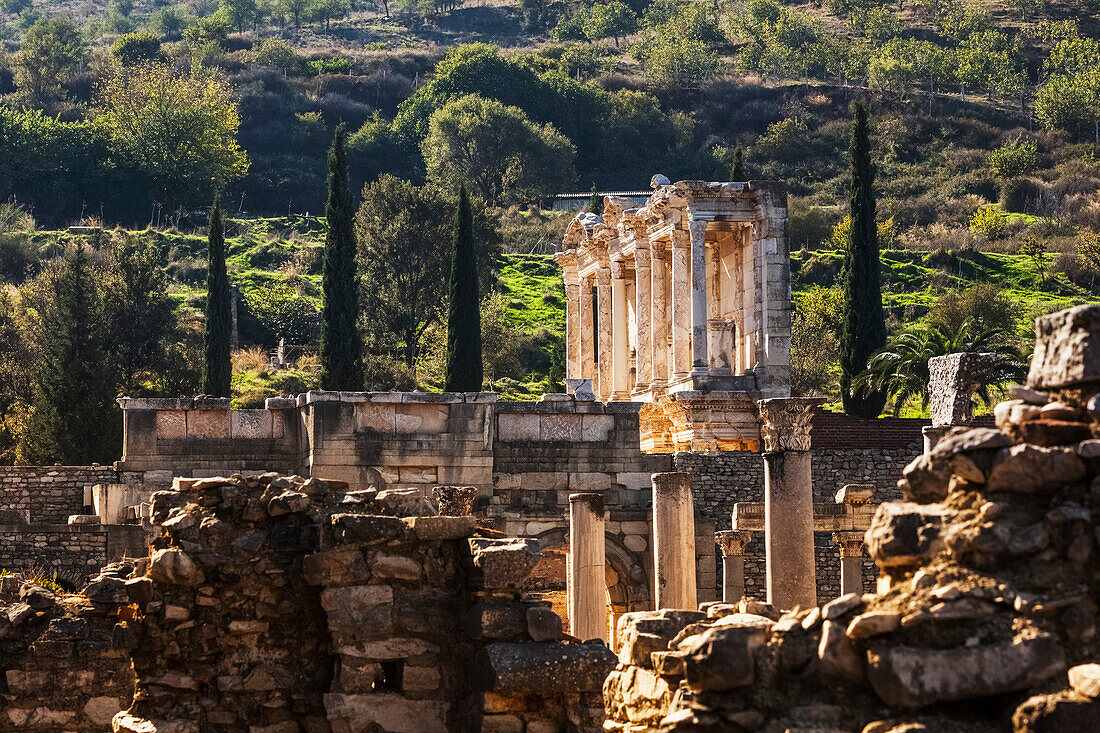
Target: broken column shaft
{"type": "Point", "coordinates": [674, 541]}
{"type": "Point", "coordinates": [788, 502]}
{"type": "Point", "coordinates": [587, 588]}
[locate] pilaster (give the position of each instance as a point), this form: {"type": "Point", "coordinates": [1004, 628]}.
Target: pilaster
{"type": "Point", "coordinates": [700, 363]}
{"type": "Point", "coordinates": [681, 306]}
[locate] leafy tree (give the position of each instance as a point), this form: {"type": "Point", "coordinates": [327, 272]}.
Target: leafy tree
{"type": "Point", "coordinates": [240, 13]}
{"type": "Point", "coordinates": [282, 313]}
{"type": "Point", "coordinates": [1036, 251]}
{"type": "Point", "coordinates": [737, 163]}
{"type": "Point", "coordinates": [50, 49]}
{"type": "Point", "coordinates": [673, 60]}
{"type": "Point", "coordinates": [595, 202]}
{"type": "Point", "coordinates": [181, 131]}
{"type": "Point", "coordinates": [900, 369]}
{"type": "Point", "coordinates": [989, 223]}
{"type": "Point", "coordinates": [986, 305]}
{"type": "Point", "coordinates": [864, 329]}
{"type": "Point", "coordinates": [132, 49]}
{"type": "Point", "coordinates": [139, 312]}
{"type": "Point", "coordinates": [403, 257]}
{"type": "Point", "coordinates": [498, 149]}
{"type": "Point", "coordinates": [341, 346]}
{"type": "Point", "coordinates": [278, 54]}
{"type": "Point", "coordinates": [326, 11]}
{"type": "Point", "coordinates": [15, 7]}
{"type": "Point", "coordinates": [464, 372]}
{"type": "Point", "coordinates": [218, 372]}
{"type": "Point", "coordinates": [296, 9]}
{"type": "Point", "coordinates": [74, 419]}
{"type": "Point", "coordinates": [815, 343]}
{"type": "Point", "coordinates": [609, 20]}
{"type": "Point", "coordinates": [1015, 158]}
{"type": "Point", "coordinates": [169, 22]}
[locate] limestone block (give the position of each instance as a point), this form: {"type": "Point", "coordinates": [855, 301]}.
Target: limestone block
{"type": "Point", "coordinates": [504, 563]}
{"type": "Point", "coordinates": [379, 416]}
{"type": "Point", "coordinates": [635, 480]}
{"type": "Point", "coordinates": [442, 528]}
{"type": "Point", "coordinates": [420, 678]}
{"type": "Point", "coordinates": [589, 481]}
{"type": "Point", "coordinates": [637, 695]}
{"type": "Point", "coordinates": [421, 418]}
{"type": "Point", "coordinates": [388, 649]}
{"type": "Point", "coordinates": [171, 424]}
{"type": "Point", "coordinates": [246, 424]}
{"type": "Point", "coordinates": [278, 424]}
{"type": "Point", "coordinates": [517, 427]}
{"type": "Point", "coordinates": [391, 711]}
{"type": "Point", "coordinates": [398, 567]}
{"type": "Point", "coordinates": [501, 724]}
{"type": "Point", "coordinates": [903, 533]}
{"type": "Point", "coordinates": [175, 567]}
{"type": "Point", "coordinates": [343, 566]}
{"type": "Point", "coordinates": [355, 606]}
{"type": "Point", "coordinates": [910, 676]}
{"type": "Point", "coordinates": [596, 428]}
{"type": "Point", "coordinates": [565, 428]}
{"type": "Point", "coordinates": [635, 542]}
{"type": "Point", "coordinates": [1085, 679]}
{"type": "Point", "coordinates": [208, 424]}
{"type": "Point", "coordinates": [100, 710]}
{"type": "Point", "coordinates": [721, 658]}
{"type": "Point", "coordinates": [544, 481]}
{"type": "Point", "coordinates": [534, 529]}
{"type": "Point", "coordinates": [1067, 349]}
{"type": "Point", "coordinates": [417, 474]}
{"type": "Point", "coordinates": [496, 620]}
{"type": "Point", "coordinates": [547, 667]}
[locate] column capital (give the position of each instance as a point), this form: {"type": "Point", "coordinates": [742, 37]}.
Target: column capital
{"type": "Point", "coordinates": [850, 544]}
{"type": "Point", "coordinates": [785, 422]}
{"type": "Point", "coordinates": [697, 228]}
{"type": "Point", "coordinates": [680, 239]}
{"type": "Point", "coordinates": [732, 542]}
{"type": "Point", "coordinates": [603, 276]}
{"type": "Point", "coordinates": [641, 258]}
{"type": "Point", "coordinates": [618, 269]}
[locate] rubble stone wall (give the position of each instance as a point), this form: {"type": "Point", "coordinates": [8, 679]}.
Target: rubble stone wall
{"type": "Point", "coordinates": [71, 551]}
{"type": "Point", "coordinates": [49, 494]}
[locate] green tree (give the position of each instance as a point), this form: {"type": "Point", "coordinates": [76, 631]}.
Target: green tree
{"type": "Point", "coordinates": [341, 345]}
{"type": "Point", "coordinates": [737, 164]}
{"type": "Point", "coordinates": [464, 371]}
{"type": "Point", "coordinates": [815, 346]}
{"type": "Point", "coordinates": [864, 328]}
{"type": "Point", "coordinates": [217, 372]}
{"type": "Point", "coordinates": [50, 50]}
{"type": "Point", "coordinates": [498, 149]}
{"type": "Point", "coordinates": [900, 369]}
{"type": "Point", "coordinates": [181, 131]}
{"type": "Point", "coordinates": [74, 420]}
{"type": "Point", "coordinates": [595, 202]}
{"type": "Point", "coordinates": [240, 13]}
{"type": "Point", "coordinates": [1036, 251]}
{"type": "Point", "coordinates": [609, 20]}
{"type": "Point", "coordinates": [132, 49]}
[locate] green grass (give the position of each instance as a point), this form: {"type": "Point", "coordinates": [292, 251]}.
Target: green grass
{"type": "Point", "coordinates": [536, 294]}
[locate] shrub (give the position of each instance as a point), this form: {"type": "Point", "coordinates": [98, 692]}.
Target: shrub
{"type": "Point", "coordinates": [1020, 195]}
{"type": "Point", "coordinates": [253, 359]}
{"type": "Point", "coordinates": [990, 223]}
{"type": "Point", "coordinates": [132, 49]}
{"type": "Point", "coordinates": [1015, 158]}
{"type": "Point", "coordinates": [277, 54]}
{"type": "Point", "coordinates": [330, 65]}
{"type": "Point", "coordinates": [283, 313]}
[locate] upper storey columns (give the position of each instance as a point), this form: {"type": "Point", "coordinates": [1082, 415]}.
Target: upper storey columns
{"type": "Point", "coordinates": [700, 360]}
{"type": "Point", "coordinates": [681, 306]}
{"type": "Point", "coordinates": [573, 332]}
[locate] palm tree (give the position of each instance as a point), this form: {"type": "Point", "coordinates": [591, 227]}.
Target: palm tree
{"type": "Point", "coordinates": [900, 369]}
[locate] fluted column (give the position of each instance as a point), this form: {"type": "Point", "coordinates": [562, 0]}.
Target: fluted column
{"type": "Point", "coordinates": [658, 317]}
{"type": "Point", "coordinates": [641, 314]}
{"type": "Point", "coordinates": [681, 306]}
{"type": "Point", "coordinates": [572, 317]}
{"type": "Point", "coordinates": [674, 541]}
{"type": "Point", "coordinates": [603, 331]}
{"type": "Point", "coordinates": [586, 338]}
{"type": "Point", "coordinates": [699, 341]}
{"type": "Point", "coordinates": [620, 336]}
{"type": "Point", "coordinates": [850, 545]}
{"type": "Point", "coordinates": [587, 587]}
{"type": "Point", "coordinates": [732, 544]}
{"type": "Point", "coordinates": [788, 502]}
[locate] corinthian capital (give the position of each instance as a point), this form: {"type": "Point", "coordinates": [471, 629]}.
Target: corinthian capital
{"type": "Point", "coordinates": [732, 542]}
{"type": "Point", "coordinates": [698, 229]}
{"type": "Point", "coordinates": [680, 239]}
{"type": "Point", "coordinates": [785, 422]}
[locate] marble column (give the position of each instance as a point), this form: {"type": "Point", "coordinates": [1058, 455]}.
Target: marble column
{"type": "Point", "coordinates": [681, 306]}
{"type": "Point", "coordinates": [700, 363]}
{"type": "Point", "coordinates": [788, 502]}
{"type": "Point", "coordinates": [604, 331]}
{"type": "Point", "coordinates": [850, 545]}
{"type": "Point", "coordinates": [642, 306]}
{"type": "Point", "coordinates": [620, 336]}
{"type": "Point", "coordinates": [674, 541]}
{"type": "Point", "coordinates": [572, 318]}
{"type": "Point", "coordinates": [658, 316]}
{"type": "Point", "coordinates": [586, 337]}
{"type": "Point", "coordinates": [733, 544]}
{"type": "Point", "coordinates": [587, 587]}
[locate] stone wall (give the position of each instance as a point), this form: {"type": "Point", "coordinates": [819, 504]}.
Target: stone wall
{"type": "Point", "coordinates": [71, 551]}
{"type": "Point", "coordinates": [49, 494]}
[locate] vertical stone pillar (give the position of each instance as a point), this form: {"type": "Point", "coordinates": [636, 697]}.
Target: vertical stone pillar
{"type": "Point", "coordinates": [642, 305]}
{"type": "Point", "coordinates": [681, 306]}
{"type": "Point", "coordinates": [586, 338]}
{"type": "Point", "coordinates": [658, 317]}
{"type": "Point", "coordinates": [603, 332]}
{"type": "Point", "coordinates": [700, 363]}
{"type": "Point", "coordinates": [733, 544]}
{"type": "Point", "coordinates": [568, 261]}
{"type": "Point", "coordinates": [788, 501]}
{"type": "Point", "coordinates": [587, 588]}
{"type": "Point", "coordinates": [620, 336]}
{"type": "Point", "coordinates": [932, 435]}
{"type": "Point", "coordinates": [674, 541]}
{"type": "Point", "coordinates": [850, 545]}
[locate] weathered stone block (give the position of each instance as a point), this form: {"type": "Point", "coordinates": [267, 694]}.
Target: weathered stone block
{"type": "Point", "coordinates": [250, 424]}
{"type": "Point", "coordinates": [905, 534]}
{"type": "Point", "coordinates": [208, 423]}
{"type": "Point", "coordinates": [359, 607]}
{"type": "Point", "coordinates": [517, 427]}
{"type": "Point", "coordinates": [171, 424]}
{"type": "Point", "coordinates": [504, 563]}
{"type": "Point", "coordinates": [377, 416]}
{"type": "Point", "coordinates": [548, 668]}
{"type": "Point", "coordinates": [1067, 349]}
{"type": "Point", "coordinates": [393, 712]}
{"type": "Point", "coordinates": [565, 428]}
{"type": "Point", "coordinates": [420, 418]}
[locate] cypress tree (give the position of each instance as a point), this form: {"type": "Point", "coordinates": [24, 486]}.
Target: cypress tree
{"type": "Point", "coordinates": [217, 371]}
{"type": "Point", "coordinates": [464, 368]}
{"type": "Point", "coordinates": [864, 329]}
{"type": "Point", "coordinates": [595, 203]}
{"type": "Point", "coordinates": [74, 419]}
{"type": "Point", "coordinates": [737, 166]}
{"type": "Point", "coordinates": [341, 344]}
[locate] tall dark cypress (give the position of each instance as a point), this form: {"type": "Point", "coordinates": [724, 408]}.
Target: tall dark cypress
{"type": "Point", "coordinates": [464, 367]}
{"type": "Point", "coordinates": [341, 344]}
{"type": "Point", "coordinates": [737, 165]}
{"type": "Point", "coordinates": [75, 420]}
{"type": "Point", "coordinates": [864, 329]}
{"type": "Point", "coordinates": [217, 371]}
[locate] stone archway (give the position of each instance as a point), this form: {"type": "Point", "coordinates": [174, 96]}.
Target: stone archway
{"type": "Point", "coordinates": [627, 581]}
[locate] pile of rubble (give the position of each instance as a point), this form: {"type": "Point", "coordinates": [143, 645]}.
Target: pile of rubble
{"type": "Point", "coordinates": [986, 613]}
